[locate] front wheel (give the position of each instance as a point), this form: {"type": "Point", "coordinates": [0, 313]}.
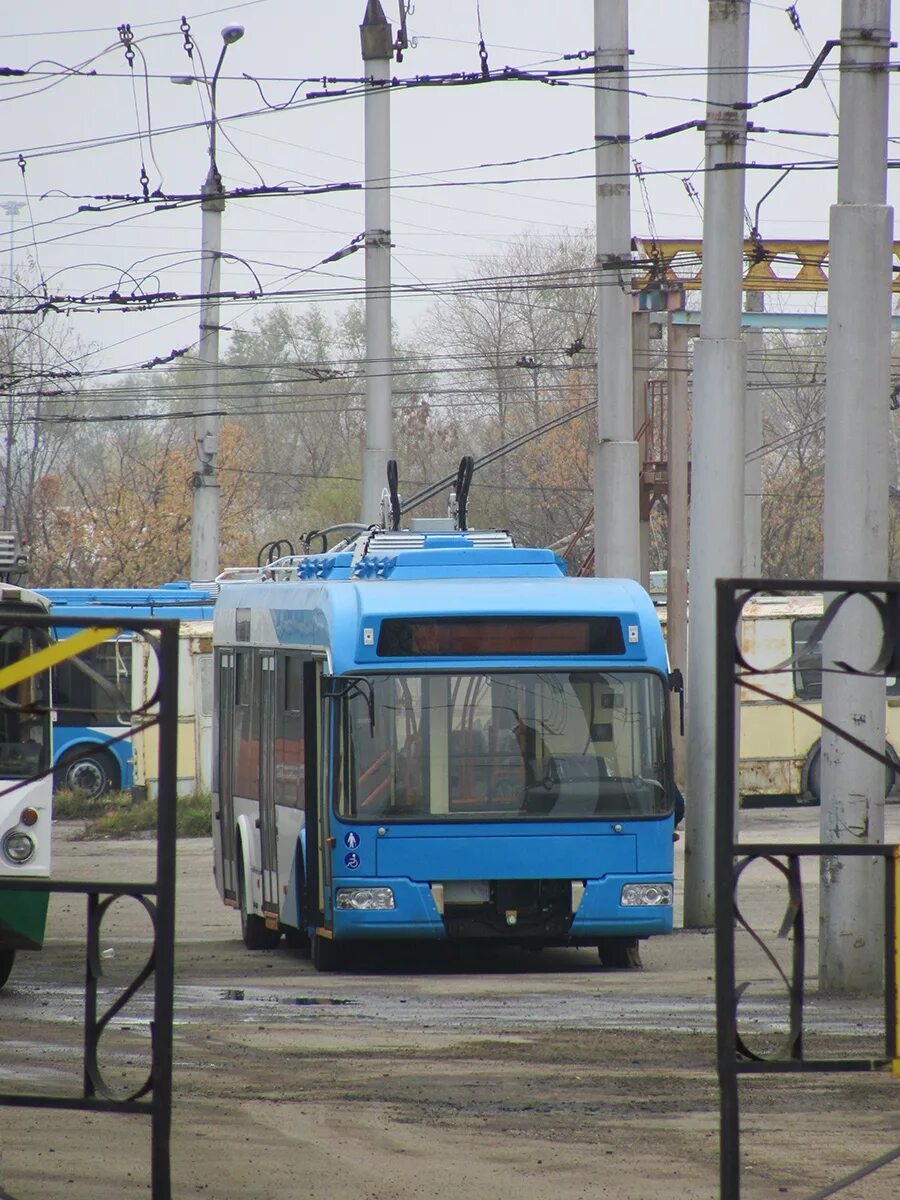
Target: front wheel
{"type": "Point", "coordinates": [621, 952]}
{"type": "Point", "coordinates": [296, 939]}
{"type": "Point", "coordinates": [7, 958]}
{"type": "Point", "coordinates": [327, 955]}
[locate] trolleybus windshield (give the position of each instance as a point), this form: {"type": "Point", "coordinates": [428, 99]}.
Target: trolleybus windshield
{"type": "Point", "coordinates": [24, 708]}
{"type": "Point", "coordinates": [507, 745]}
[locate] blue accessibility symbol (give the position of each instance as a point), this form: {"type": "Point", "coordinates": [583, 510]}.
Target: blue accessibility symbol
{"type": "Point", "coordinates": [351, 840]}
{"type": "Point", "coordinates": [351, 861]}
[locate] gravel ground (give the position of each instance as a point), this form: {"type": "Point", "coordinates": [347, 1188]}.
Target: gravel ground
{"type": "Point", "coordinates": [506, 1076]}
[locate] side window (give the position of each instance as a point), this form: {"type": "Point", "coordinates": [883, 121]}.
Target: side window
{"type": "Point", "coordinates": [290, 751]}
{"type": "Point", "coordinates": [246, 726]}
{"type": "Point", "coordinates": [94, 688]}
{"type": "Point", "coordinates": [222, 725]}
{"type": "Point", "coordinates": [808, 667]}
{"type": "Point", "coordinates": [204, 699]}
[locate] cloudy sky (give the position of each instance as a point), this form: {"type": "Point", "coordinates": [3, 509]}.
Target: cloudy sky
{"type": "Point", "coordinates": [475, 167]}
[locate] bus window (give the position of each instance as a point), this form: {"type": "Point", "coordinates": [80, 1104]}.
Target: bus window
{"type": "Point", "coordinates": [289, 733]}
{"type": "Point", "coordinates": [808, 664]}
{"type": "Point", "coordinates": [94, 688]}
{"type": "Point", "coordinates": [246, 727]}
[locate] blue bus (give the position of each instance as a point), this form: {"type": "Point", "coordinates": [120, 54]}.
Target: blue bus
{"type": "Point", "coordinates": [434, 734]}
{"type": "Point", "coordinates": [96, 693]}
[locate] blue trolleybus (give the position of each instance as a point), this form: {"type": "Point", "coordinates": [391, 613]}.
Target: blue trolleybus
{"type": "Point", "coordinates": [434, 734]}
{"type": "Point", "coordinates": [97, 692]}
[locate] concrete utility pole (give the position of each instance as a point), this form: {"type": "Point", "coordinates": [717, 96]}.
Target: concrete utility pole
{"type": "Point", "coordinates": [754, 302]}
{"type": "Point", "coordinates": [617, 462]}
{"type": "Point", "coordinates": [205, 507]}
{"type": "Point", "coordinates": [377, 48]}
{"type": "Point", "coordinates": [717, 461]}
{"type": "Point", "coordinates": [856, 500]}
{"type": "Point", "coordinates": [678, 366]}
{"type": "Point", "coordinates": [640, 349]}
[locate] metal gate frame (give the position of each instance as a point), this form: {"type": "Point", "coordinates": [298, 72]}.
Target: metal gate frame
{"type": "Point", "coordinates": [731, 859]}
{"type": "Point", "coordinates": [154, 1097]}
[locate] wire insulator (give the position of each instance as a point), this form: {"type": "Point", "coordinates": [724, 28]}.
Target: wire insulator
{"type": "Point", "coordinates": [188, 40]}
{"type": "Point", "coordinates": [126, 37]}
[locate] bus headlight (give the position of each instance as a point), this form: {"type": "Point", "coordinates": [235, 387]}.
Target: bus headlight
{"type": "Point", "coordinates": [364, 899]}
{"type": "Point", "coordinates": [18, 846]}
{"type": "Point", "coordinates": [646, 895]}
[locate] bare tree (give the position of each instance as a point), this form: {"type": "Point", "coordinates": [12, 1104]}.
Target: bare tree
{"type": "Point", "coordinates": [41, 366]}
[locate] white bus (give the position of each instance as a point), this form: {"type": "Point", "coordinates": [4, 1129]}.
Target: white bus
{"type": "Point", "coordinates": [25, 783]}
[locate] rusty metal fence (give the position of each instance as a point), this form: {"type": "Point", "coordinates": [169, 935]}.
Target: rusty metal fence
{"type": "Point", "coordinates": [153, 1097]}
{"type": "Point", "coordinates": [733, 858]}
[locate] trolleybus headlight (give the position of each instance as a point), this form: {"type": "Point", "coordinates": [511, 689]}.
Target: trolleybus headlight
{"type": "Point", "coordinates": [18, 846]}
{"type": "Point", "coordinates": [646, 895]}
{"type": "Point", "coordinates": [364, 899]}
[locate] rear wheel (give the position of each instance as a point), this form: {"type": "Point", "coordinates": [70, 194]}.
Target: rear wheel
{"type": "Point", "coordinates": [88, 773]}
{"type": "Point", "coordinates": [621, 952]}
{"type": "Point", "coordinates": [254, 931]}
{"type": "Point", "coordinates": [7, 958]}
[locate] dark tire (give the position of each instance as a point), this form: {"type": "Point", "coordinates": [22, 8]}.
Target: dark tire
{"type": "Point", "coordinates": [327, 955]}
{"type": "Point", "coordinates": [623, 953]}
{"type": "Point", "coordinates": [297, 939]}
{"type": "Point", "coordinates": [813, 774]}
{"type": "Point", "coordinates": [296, 936]}
{"type": "Point", "coordinates": [88, 773]}
{"type": "Point", "coordinates": [255, 933]}
{"type": "Point", "coordinates": [7, 958]}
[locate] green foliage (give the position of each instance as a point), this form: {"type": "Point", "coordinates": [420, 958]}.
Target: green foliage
{"type": "Point", "coordinates": [119, 814]}
{"type": "Point", "coordinates": [75, 806]}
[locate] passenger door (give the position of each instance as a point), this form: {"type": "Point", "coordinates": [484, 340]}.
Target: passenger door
{"type": "Point", "coordinates": [268, 832]}
{"type": "Point", "coordinates": [223, 784]}
{"type": "Point", "coordinates": [317, 872]}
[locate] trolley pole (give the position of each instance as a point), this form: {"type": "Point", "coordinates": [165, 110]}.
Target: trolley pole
{"type": "Point", "coordinates": [617, 461]}
{"type": "Point", "coordinates": [205, 482]}
{"type": "Point", "coordinates": [717, 481]}
{"type": "Point", "coordinates": [851, 955]}
{"type": "Point", "coordinates": [377, 49]}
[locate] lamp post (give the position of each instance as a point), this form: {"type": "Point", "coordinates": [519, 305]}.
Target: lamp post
{"type": "Point", "coordinates": [204, 482]}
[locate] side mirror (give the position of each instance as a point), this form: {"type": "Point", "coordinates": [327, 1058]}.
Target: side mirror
{"type": "Point", "coordinates": [676, 684]}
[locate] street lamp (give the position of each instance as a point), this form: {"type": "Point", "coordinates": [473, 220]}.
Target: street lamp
{"type": "Point", "coordinates": [204, 482]}
{"type": "Point", "coordinates": [230, 35]}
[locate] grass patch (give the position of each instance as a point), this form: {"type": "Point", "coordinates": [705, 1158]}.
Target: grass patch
{"type": "Point", "coordinates": [118, 814]}
{"type": "Point", "coordinates": [75, 806]}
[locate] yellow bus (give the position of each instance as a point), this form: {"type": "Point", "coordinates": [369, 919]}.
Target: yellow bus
{"type": "Point", "coordinates": [780, 748]}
